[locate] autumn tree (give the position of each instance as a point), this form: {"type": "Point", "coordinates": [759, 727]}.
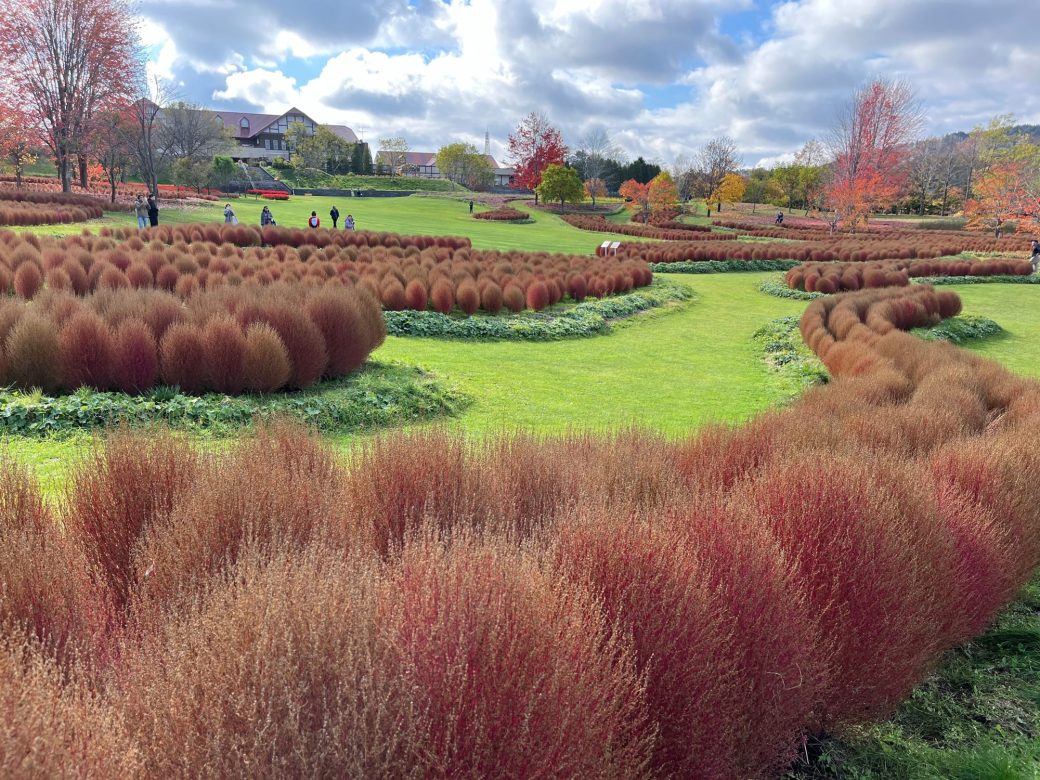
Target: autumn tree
{"type": "Point", "coordinates": [112, 147]}
{"type": "Point", "coordinates": [66, 61]}
{"type": "Point", "coordinates": [730, 190]}
{"type": "Point", "coordinates": [597, 154]}
{"type": "Point", "coordinates": [595, 188]}
{"type": "Point", "coordinates": [662, 194]}
{"type": "Point", "coordinates": [715, 160]}
{"type": "Point", "coordinates": [638, 196]}
{"type": "Point", "coordinates": [869, 142]}
{"type": "Point", "coordinates": [534, 147]}
{"type": "Point", "coordinates": [462, 164]}
{"type": "Point", "coordinates": [560, 183]}
{"type": "Point", "coordinates": [193, 173]}
{"type": "Point", "coordinates": [393, 152]}
{"type": "Point", "coordinates": [189, 130]}
{"type": "Point", "coordinates": [18, 141]}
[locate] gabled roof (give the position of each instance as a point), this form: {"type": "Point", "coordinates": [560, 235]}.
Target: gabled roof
{"type": "Point", "coordinates": [344, 132]}
{"type": "Point", "coordinates": [260, 122]}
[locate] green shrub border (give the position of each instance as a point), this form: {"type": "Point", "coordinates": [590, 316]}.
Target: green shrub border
{"type": "Point", "coordinates": [722, 266]}
{"type": "Point", "coordinates": [779, 289]}
{"type": "Point", "coordinates": [959, 330]}
{"type": "Point", "coordinates": [786, 354]}
{"type": "Point", "coordinates": [590, 318]}
{"type": "Point", "coordinates": [377, 395]}
{"type": "Point", "coordinates": [999, 278]}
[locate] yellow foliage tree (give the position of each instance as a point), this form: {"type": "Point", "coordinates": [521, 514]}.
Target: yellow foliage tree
{"type": "Point", "coordinates": [663, 195]}
{"type": "Point", "coordinates": [730, 190]}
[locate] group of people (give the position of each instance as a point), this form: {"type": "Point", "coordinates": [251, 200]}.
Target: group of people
{"type": "Point", "coordinates": [779, 218]}
{"type": "Point", "coordinates": [147, 212]}
{"type": "Point", "coordinates": [348, 223]}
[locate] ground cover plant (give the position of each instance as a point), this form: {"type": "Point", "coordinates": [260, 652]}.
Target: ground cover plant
{"type": "Point", "coordinates": [503, 214]}
{"type": "Point", "coordinates": [18, 207]}
{"type": "Point", "coordinates": [668, 230]}
{"type": "Point", "coordinates": [699, 604]}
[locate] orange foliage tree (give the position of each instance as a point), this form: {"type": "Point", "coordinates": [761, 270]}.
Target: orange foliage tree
{"type": "Point", "coordinates": [595, 188]}
{"type": "Point", "coordinates": [662, 195]}
{"type": "Point", "coordinates": [637, 195]}
{"type": "Point", "coordinates": [17, 141]}
{"type": "Point", "coordinates": [1008, 190]}
{"type": "Point", "coordinates": [869, 145]}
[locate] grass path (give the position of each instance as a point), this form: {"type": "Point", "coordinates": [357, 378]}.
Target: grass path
{"type": "Point", "coordinates": [673, 374]}
{"type": "Point", "coordinates": [1016, 308]}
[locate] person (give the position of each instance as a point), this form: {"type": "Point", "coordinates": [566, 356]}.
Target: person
{"type": "Point", "coordinates": [1035, 258]}
{"type": "Point", "coordinates": [266, 218]}
{"type": "Point", "coordinates": [313, 221]}
{"type": "Point", "coordinates": [471, 207]}
{"type": "Point", "coordinates": [153, 211]}
{"type": "Point", "coordinates": [334, 213]}
{"type": "Point", "coordinates": [779, 218]}
{"type": "Point", "coordinates": [229, 215]}
{"type": "Point", "coordinates": [348, 224]}
{"type": "Point", "coordinates": [141, 210]}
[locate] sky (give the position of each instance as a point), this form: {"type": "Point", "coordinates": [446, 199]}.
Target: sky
{"type": "Point", "coordinates": [662, 77]}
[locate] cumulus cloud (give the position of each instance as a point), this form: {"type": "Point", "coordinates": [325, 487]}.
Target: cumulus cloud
{"type": "Point", "coordinates": [437, 71]}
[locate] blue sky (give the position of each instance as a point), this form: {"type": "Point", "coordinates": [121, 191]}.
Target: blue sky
{"type": "Point", "coordinates": [661, 76]}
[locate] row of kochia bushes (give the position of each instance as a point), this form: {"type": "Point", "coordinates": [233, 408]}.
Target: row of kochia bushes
{"type": "Point", "coordinates": [273, 235]}
{"type": "Point", "coordinates": [231, 340]}
{"type": "Point", "coordinates": [841, 249]}
{"type": "Point", "coordinates": [672, 231]}
{"type": "Point", "coordinates": [968, 242]}
{"type": "Point", "coordinates": [18, 207]}
{"type": "Point", "coordinates": [439, 278]}
{"type": "Point", "coordinates": [842, 277]}
{"type": "Point", "coordinates": [581, 606]}
{"type": "Point", "coordinates": [126, 193]}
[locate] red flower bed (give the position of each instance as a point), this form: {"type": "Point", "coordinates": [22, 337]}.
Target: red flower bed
{"type": "Point", "coordinates": [132, 340]}
{"type": "Point", "coordinates": [676, 231]}
{"type": "Point", "coordinates": [503, 214]}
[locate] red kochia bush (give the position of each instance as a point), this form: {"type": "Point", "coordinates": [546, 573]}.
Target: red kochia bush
{"type": "Point", "coordinates": [224, 348]}
{"type": "Point", "coordinates": [875, 563]}
{"type": "Point", "coordinates": [442, 296]}
{"type": "Point", "coordinates": [266, 366]}
{"type": "Point", "coordinates": [514, 299]}
{"type": "Point", "coordinates": [86, 351]}
{"type": "Point", "coordinates": [182, 357]}
{"type": "Point", "coordinates": [303, 342]}
{"type": "Point", "coordinates": [33, 354]}
{"type": "Point", "coordinates": [27, 280]}
{"type": "Point", "coordinates": [485, 636]}
{"type": "Point", "coordinates": [135, 357]}
{"type": "Point", "coordinates": [467, 297]}
{"type": "Point", "coordinates": [415, 295]}
{"type": "Point", "coordinates": [537, 296]}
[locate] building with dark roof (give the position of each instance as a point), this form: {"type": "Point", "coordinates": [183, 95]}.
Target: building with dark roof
{"type": "Point", "coordinates": [262, 136]}
{"type": "Point", "coordinates": [423, 165]}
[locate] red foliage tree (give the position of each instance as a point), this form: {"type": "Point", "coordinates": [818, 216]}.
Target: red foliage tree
{"type": "Point", "coordinates": [638, 196]}
{"type": "Point", "coordinates": [869, 142]}
{"type": "Point", "coordinates": [534, 147]}
{"type": "Point", "coordinates": [66, 61]}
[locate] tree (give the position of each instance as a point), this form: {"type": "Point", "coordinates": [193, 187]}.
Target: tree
{"type": "Point", "coordinates": [730, 190]}
{"type": "Point", "coordinates": [534, 147]}
{"type": "Point", "coordinates": [560, 183]}
{"type": "Point", "coordinates": [18, 141]}
{"type": "Point", "coordinates": [715, 160]}
{"type": "Point", "coordinates": [361, 159]}
{"type": "Point", "coordinates": [662, 196]}
{"type": "Point", "coordinates": [597, 151]}
{"type": "Point", "coordinates": [595, 188]}
{"type": "Point", "coordinates": [463, 164]}
{"type": "Point", "coordinates": [640, 170]}
{"type": "Point", "coordinates": [638, 196]}
{"type": "Point", "coordinates": [66, 61]}
{"type": "Point", "coordinates": [1007, 190]}
{"type": "Point", "coordinates": [112, 146]}
{"type": "Point", "coordinates": [787, 178]}
{"type": "Point", "coordinates": [758, 188]}
{"type": "Point", "coordinates": [394, 152]}
{"type": "Point", "coordinates": [187, 172]}
{"type": "Point", "coordinates": [189, 130]}
{"type": "Point", "coordinates": [685, 175]}
{"type": "Point", "coordinates": [869, 142]}
{"type": "Point", "coordinates": [144, 113]}
{"type": "Point", "coordinates": [223, 171]}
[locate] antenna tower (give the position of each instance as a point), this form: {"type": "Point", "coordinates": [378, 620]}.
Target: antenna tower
{"type": "Point", "coordinates": [487, 143]}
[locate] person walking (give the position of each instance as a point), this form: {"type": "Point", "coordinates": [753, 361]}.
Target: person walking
{"type": "Point", "coordinates": [313, 221]}
{"type": "Point", "coordinates": [153, 211]}
{"type": "Point", "coordinates": [1034, 260]}
{"type": "Point", "coordinates": [348, 224]}
{"type": "Point", "coordinates": [471, 207]}
{"type": "Point", "coordinates": [266, 218]}
{"type": "Point", "coordinates": [141, 210]}
{"type": "Point", "coordinates": [334, 213]}
{"type": "Point", "coordinates": [229, 215]}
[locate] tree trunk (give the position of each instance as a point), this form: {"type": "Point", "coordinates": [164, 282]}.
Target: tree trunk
{"type": "Point", "coordinates": [83, 172]}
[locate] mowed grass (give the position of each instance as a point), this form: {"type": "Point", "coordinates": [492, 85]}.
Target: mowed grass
{"type": "Point", "coordinates": [1016, 308]}
{"type": "Point", "coordinates": [411, 215]}
{"type": "Point", "coordinates": [673, 373]}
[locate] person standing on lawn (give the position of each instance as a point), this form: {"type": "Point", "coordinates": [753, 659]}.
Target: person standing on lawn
{"type": "Point", "coordinates": [349, 223]}
{"type": "Point", "coordinates": [334, 213]}
{"type": "Point", "coordinates": [141, 210]}
{"type": "Point", "coordinates": [153, 211]}
{"type": "Point", "coordinates": [313, 221]}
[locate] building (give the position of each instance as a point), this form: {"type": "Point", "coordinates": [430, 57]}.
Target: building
{"type": "Point", "coordinates": [423, 165]}
{"type": "Point", "coordinates": [262, 136]}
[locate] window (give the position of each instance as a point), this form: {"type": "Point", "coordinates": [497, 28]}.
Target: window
{"type": "Point", "coordinates": [244, 124]}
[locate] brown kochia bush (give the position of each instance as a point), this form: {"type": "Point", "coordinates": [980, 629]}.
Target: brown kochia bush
{"type": "Point", "coordinates": [130, 339]}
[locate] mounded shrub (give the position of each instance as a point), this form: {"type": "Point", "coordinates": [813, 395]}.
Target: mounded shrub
{"type": "Point", "coordinates": [266, 363]}
{"type": "Point", "coordinates": [135, 356]}
{"type": "Point", "coordinates": [33, 354]}
{"type": "Point", "coordinates": [182, 356]}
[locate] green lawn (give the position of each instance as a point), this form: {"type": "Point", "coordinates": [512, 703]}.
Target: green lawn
{"type": "Point", "coordinates": [673, 373]}
{"type": "Point", "coordinates": [409, 215]}
{"type": "Point", "coordinates": [1016, 308]}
